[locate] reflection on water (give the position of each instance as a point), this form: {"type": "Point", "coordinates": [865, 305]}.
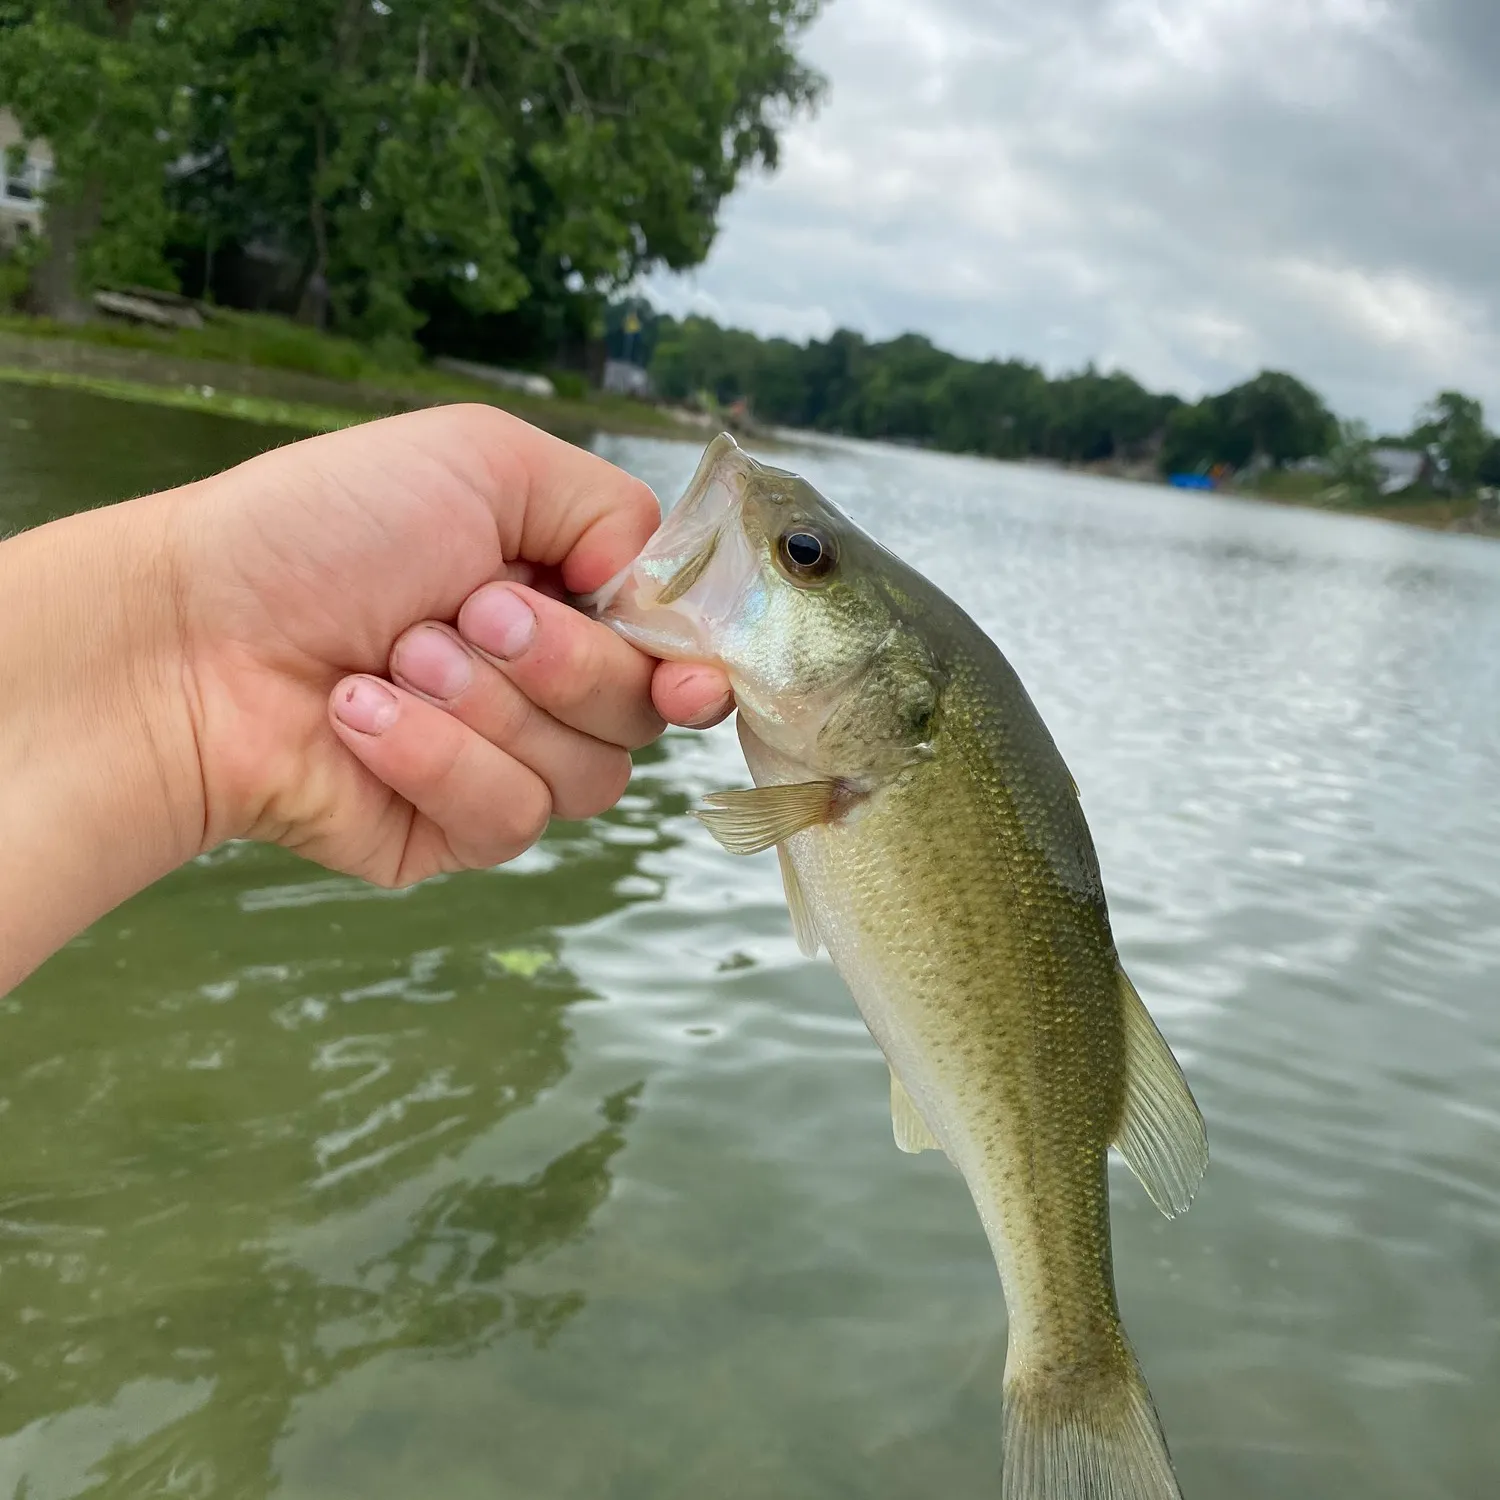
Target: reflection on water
{"type": "Point", "coordinates": [254, 1142]}
{"type": "Point", "coordinates": [60, 451]}
{"type": "Point", "coordinates": [256, 1138]}
{"type": "Point", "coordinates": [575, 1180]}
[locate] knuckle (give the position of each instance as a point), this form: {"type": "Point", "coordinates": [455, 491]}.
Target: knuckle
{"type": "Point", "coordinates": [514, 830]}
{"type": "Point", "coordinates": [471, 855]}
{"type": "Point", "coordinates": [599, 790]}
{"type": "Point", "coordinates": [579, 673]}
{"type": "Point", "coordinates": [404, 878]}
{"type": "Point", "coordinates": [646, 730]}
{"type": "Point", "coordinates": [640, 500]}
{"type": "Point", "coordinates": [509, 714]}
{"type": "Point", "coordinates": [485, 423]}
{"type": "Point", "coordinates": [511, 817]}
{"type": "Point", "coordinates": [529, 814]}
{"type": "Point", "coordinates": [612, 786]}
{"type": "Point", "coordinates": [422, 751]}
{"type": "Point", "coordinates": [441, 756]}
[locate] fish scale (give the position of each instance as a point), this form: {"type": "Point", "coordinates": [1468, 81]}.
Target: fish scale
{"type": "Point", "coordinates": [932, 840]}
{"type": "Point", "coordinates": [989, 1022]}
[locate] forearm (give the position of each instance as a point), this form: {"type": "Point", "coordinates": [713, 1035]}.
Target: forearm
{"type": "Point", "coordinates": [100, 786]}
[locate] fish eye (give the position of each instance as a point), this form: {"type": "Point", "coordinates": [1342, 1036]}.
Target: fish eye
{"type": "Point", "coordinates": [805, 555]}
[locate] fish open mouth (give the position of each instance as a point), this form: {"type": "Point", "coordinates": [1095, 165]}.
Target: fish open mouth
{"type": "Point", "coordinates": [690, 578]}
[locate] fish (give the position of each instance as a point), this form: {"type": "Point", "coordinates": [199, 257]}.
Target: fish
{"type": "Point", "coordinates": [931, 839]}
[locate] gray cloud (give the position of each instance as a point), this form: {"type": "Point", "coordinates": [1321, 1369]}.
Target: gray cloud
{"type": "Point", "coordinates": [1186, 189]}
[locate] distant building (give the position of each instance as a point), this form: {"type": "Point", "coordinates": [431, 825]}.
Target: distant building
{"type": "Point", "coordinates": [625, 379]}
{"type": "Point", "coordinates": [1400, 468]}
{"type": "Point", "coordinates": [25, 171]}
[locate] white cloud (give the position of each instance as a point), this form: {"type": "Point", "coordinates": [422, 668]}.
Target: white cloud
{"type": "Point", "coordinates": [1187, 189]}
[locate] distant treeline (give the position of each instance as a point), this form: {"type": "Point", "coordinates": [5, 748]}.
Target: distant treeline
{"type": "Point", "coordinates": [907, 390]}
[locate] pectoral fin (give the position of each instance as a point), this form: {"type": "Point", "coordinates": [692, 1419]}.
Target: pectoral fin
{"type": "Point", "coordinates": [749, 821]}
{"type": "Point", "coordinates": [804, 929]}
{"type": "Point", "coordinates": [910, 1129]}
{"type": "Point", "coordinates": [1161, 1133]}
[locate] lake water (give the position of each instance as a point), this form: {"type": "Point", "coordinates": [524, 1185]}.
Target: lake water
{"type": "Point", "coordinates": [574, 1181]}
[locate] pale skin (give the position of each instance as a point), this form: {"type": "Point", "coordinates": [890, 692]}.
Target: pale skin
{"type": "Point", "coordinates": [352, 646]}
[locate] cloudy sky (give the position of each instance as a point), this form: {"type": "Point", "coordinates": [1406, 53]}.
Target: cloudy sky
{"type": "Point", "coordinates": [1189, 190]}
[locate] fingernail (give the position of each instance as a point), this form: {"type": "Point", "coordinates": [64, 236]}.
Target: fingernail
{"type": "Point", "coordinates": [497, 620]}
{"type": "Point", "coordinates": [709, 711]}
{"type": "Point", "coordinates": [710, 715]}
{"type": "Point", "coordinates": [366, 706]}
{"type": "Point", "coordinates": [432, 662]}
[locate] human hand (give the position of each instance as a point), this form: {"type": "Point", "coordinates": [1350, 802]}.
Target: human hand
{"type": "Point", "coordinates": [315, 649]}
{"type": "Point", "coordinates": [379, 675]}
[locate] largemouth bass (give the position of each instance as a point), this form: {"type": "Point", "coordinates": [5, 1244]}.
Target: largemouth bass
{"type": "Point", "coordinates": [931, 838]}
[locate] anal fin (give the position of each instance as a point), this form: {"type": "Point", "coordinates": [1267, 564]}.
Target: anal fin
{"type": "Point", "coordinates": [909, 1128]}
{"type": "Point", "coordinates": [1161, 1134]}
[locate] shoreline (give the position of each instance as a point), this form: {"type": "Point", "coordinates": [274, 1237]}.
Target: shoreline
{"type": "Point", "coordinates": [272, 395]}
{"type": "Point", "coordinates": [276, 396]}
{"type": "Point", "coordinates": [1457, 516]}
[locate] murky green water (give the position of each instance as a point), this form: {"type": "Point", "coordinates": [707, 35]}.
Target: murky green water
{"type": "Point", "coordinates": [573, 1181]}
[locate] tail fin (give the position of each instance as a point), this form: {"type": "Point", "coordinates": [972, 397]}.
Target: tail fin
{"type": "Point", "coordinates": [1084, 1437]}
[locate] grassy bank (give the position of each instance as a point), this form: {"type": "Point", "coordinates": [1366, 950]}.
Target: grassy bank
{"type": "Point", "coordinates": [266, 369]}
{"type": "Point", "coordinates": [299, 415]}
{"type": "Point", "coordinates": [1418, 506]}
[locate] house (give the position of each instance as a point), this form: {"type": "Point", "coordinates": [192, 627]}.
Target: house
{"type": "Point", "coordinates": [25, 170]}
{"type": "Point", "coordinates": [626, 379]}
{"type": "Point", "coordinates": [1400, 468]}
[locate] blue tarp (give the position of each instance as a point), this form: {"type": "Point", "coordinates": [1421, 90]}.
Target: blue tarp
{"type": "Point", "coordinates": [1191, 481]}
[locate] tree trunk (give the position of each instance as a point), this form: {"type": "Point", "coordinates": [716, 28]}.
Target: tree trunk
{"type": "Point", "coordinates": [312, 305]}
{"type": "Point", "coordinates": [55, 288]}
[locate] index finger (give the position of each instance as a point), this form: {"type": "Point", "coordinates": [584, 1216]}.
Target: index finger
{"type": "Point", "coordinates": [575, 669]}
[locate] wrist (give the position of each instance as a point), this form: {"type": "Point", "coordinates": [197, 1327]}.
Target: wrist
{"type": "Point", "coordinates": [101, 790]}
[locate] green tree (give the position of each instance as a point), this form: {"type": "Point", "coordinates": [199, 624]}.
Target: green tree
{"type": "Point", "coordinates": [1276, 418]}
{"type": "Point", "coordinates": [781, 392]}
{"type": "Point", "coordinates": [1352, 461]}
{"type": "Point", "coordinates": [996, 408]}
{"type": "Point", "coordinates": [1273, 418]}
{"type": "Point", "coordinates": [403, 156]}
{"type": "Point", "coordinates": [1195, 438]}
{"type": "Point", "coordinates": [907, 389]}
{"type": "Point", "coordinates": [1098, 416]}
{"type": "Point", "coordinates": [835, 371]}
{"type": "Point", "coordinates": [1454, 424]}
{"type": "Point", "coordinates": [482, 152]}
{"type": "Point", "coordinates": [1489, 464]}
{"type": "Point", "coordinates": [900, 393]}
{"type": "Point", "coordinates": [95, 79]}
